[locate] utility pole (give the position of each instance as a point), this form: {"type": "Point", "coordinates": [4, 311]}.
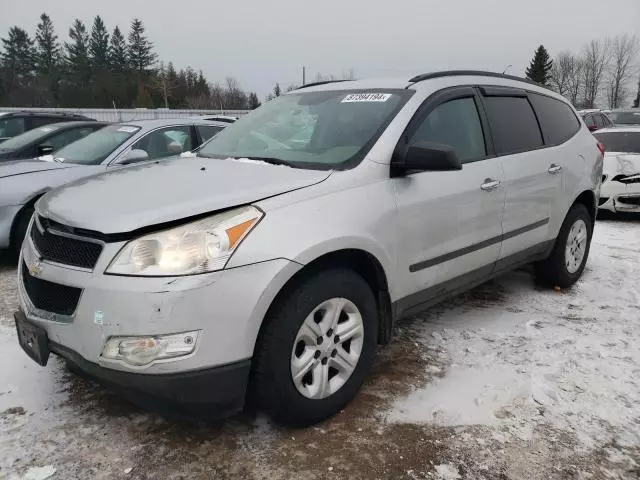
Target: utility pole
{"type": "Point", "coordinates": [304, 75]}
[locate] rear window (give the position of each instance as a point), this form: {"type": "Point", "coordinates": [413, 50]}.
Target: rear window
{"type": "Point", "coordinates": [623, 142]}
{"type": "Point", "coordinates": [28, 137]}
{"type": "Point", "coordinates": [513, 124]}
{"type": "Point", "coordinates": [557, 119]}
{"type": "Point", "coordinates": [625, 118]}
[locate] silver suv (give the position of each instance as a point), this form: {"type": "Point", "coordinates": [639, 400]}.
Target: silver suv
{"type": "Point", "coordinates": [270, 265]}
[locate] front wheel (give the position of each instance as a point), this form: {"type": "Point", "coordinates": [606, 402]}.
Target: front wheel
{"type": "Point", "coordinates": [570, 252]}
{"type": "Point", "coordinates": [316, 348]}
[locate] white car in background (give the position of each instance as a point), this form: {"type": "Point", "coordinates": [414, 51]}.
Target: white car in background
{"type": "Point", "coordinates": [620, 190]}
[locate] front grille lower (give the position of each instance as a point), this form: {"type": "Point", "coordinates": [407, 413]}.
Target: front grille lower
{"type": "Point", "coordinates": [629, 200]}
{"type": "Point", "coordinates": [63, 249]}
{"type": "Point", "coordinates": [49, 296]}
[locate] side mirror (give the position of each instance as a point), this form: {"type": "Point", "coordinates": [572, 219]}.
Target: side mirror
{"type": "Point", "coordinates": [45, 150]}
{"type": "Point", "coordinates": [428, 156]}
{"type": "Point", "coordinates": [134, 156]}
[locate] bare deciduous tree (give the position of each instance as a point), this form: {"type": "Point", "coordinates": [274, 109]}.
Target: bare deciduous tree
{"type": "Point", "coordinates": [596, 58]}
{"type": "Point", "coordinates": [561, 72]}
{"type": "Point", "coordinates": [576, 85]}
{"type": "Point", "coordinates": [624, 49]}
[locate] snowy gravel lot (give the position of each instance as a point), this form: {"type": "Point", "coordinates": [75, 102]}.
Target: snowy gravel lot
{"type": "Point", "coordinates": [508, 381]}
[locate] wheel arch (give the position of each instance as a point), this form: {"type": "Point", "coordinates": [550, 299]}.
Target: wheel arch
{"type": "Point", "coordinates": [361, 261]}
{"type": "Point", "coordinates": [588, 199]}
{"type": "Point", "coordinates": [28, 204]}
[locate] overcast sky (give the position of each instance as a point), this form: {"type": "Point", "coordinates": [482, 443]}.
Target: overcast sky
{"type": "Point", "coordinates": [266, 41]}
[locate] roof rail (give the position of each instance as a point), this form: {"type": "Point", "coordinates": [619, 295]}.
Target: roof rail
{"type": "Point", "coordinates": [480, 73]}
{"type": "Point", "coordinates": [323, 82]}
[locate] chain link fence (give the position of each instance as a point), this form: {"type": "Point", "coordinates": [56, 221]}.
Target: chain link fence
{"type": "Point", "coordinates": [125, 115]}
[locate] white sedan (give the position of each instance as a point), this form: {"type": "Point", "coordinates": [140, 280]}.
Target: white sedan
{"type": "Point", "coordinates": [620, 190]}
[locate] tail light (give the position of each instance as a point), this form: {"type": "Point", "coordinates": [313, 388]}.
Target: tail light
{"type": "Point", "coordinates": [601, 148]}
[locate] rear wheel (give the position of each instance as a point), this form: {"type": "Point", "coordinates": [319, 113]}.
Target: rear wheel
{"type": "Point", "coordinates": [316, 348]}
{"type": "Point", "coordinates": [570, 252]}
{"type": "Point", "coordinates": [20, 228]}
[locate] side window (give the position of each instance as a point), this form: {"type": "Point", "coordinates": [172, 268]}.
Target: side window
{"type": "Point", "coordinates": [607, 121]}
{"type": "Point", "coordinates": [11, 127]}
{"type": "Point", "coordinates": [557, 119]}
{"type": "Point", "coordinates": [590, 121]}
{"type": "Point", "coordinates": [513, 124]}
{"type": "Point", "coordinates": [455, 123]}
{"type": "Point", "coordinates": [41, 121]}
{"type": "Point", "coordinates": [599, 121]}
{"type": "Point", "coordinates": [207, 131]}
{"type": "Point", "coordinates": [166, 142]}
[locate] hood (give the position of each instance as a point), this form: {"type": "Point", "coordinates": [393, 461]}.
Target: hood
{"type": "Point", "coordinates": [621, 164]}
{"type": "Point", "coordinates": [22, 167]}
{"type": "Point", "coordinates": [126, 199]}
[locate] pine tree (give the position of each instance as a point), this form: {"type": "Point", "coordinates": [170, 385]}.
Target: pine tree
{"type": "Point", "coordinates": [141, 52]}
{"type": "Point", "coordinates": [143, 100]}
{"type": "Point", "coordinates": [254, 102]}
{"type": "Point", "coordinates": [276, 90]}
{"type": "Point", "coordinates": [78, 52]}
{"type": "Point", "coordinates": [636, 102]}
{"type": "Point", "coordinates": [48, 62]}
{"type": "Point", "coordinates": [99, 44]}
{"type": "Point", "coordinates": [48, 54]}
{"type": "Point", "coordinates": [118, 52]}
{"type": "Point", "coordinates": [18, 62]}
{"type": "Point", "coordinates": [19, 54]}
{"type": "Point", "coordinates": [540, 67]}
{"type": "Point", "coordinates": [202, 86]}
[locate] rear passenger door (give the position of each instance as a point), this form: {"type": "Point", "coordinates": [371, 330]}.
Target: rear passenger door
{"type": "Point", "coordinates": [532, 174]}
{"type": "Point", "coordinates": [450, 221]}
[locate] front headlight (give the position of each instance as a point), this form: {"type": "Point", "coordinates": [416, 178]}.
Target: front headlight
{"type": "Point", "coordinates": [202, 246]}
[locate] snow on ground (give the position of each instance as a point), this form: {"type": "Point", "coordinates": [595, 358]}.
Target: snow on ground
{"type": "Point", "coordinates": [506, 382]}
{"type": "Point", "coordinates": [569, 360]}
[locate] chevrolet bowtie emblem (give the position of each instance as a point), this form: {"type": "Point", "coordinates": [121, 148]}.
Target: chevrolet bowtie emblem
{"type": "Point", "coordinates": [34, 268]}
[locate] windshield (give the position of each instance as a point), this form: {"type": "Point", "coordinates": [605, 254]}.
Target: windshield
{"type": "Point", "coordinates": [27, 137]}
{"type": "Point", "coordinates": [625, 118]}
{"type": "Point", "coordinates": [623, 142]}
{"type": "Point", "coordinates": [95, 148]}
{"type": "Point", "coordinates": [310, 130]}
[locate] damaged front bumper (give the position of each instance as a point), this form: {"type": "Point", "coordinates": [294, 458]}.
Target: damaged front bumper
{"type": "Point", "coordinates": [620, 193]}
{"type": "Point", "coordinates": [225, 307]}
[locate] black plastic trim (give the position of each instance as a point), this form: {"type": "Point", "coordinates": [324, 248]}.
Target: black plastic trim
{"type": "Point", "coordinates": [423, 299]}
{"type": "Point", "coordinates": [223, 387]}
{"type": "Point", "coordinates": [475, 247]}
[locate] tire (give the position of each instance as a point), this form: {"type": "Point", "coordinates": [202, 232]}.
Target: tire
{"type": "Point", "coordinates": [554, 270]}
{"type": "Point", "coordinates": [273, 389]}
{"type": "Point", "coordinates": [20, 229]}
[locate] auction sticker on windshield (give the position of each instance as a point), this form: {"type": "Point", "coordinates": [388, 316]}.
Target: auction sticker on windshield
{"type": "Point", "coordinates": [366, 97]}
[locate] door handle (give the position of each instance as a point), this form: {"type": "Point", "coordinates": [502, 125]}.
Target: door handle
{"type": "Point", "coordinates": [553, 169]}
{"type": "Point", "coordinates": [490, 184]}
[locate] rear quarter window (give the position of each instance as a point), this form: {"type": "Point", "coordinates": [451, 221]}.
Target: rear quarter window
{"type": "Point", "coordinates": [557, 119]}
{"type": "Point", "coordinates": [513, 124]}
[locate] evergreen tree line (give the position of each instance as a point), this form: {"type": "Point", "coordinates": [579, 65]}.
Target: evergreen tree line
{"type": "Point", "coordinates": [606, 73]}
{"type": "Point", "coordinates": [102, 69]}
